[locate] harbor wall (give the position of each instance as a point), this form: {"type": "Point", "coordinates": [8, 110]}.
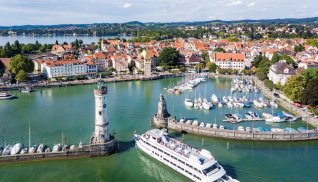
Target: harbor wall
{"type": "Point", "coordinates": [243, 135]}
{"type": "Point", "coordinates": [85, 151]}
{"type": "Point", "coordinates": [90, 81]}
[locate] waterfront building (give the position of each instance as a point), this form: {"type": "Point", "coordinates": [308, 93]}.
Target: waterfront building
{"type": "Point", "coordinates": [280, 72]}
{"type": "Point", "coordinates": [101, 134]}
{"type": "Point", "coordinates": [64, 68]}
{"type": "Point", "coordinates": [228, 60]}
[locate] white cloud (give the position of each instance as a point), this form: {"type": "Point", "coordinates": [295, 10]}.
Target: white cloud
{"type": "Point", "coordinates": [234, 3]}
{"type": "Point", "coordinates": [127, 5]}
{"type": "Point", "coordinates": [251, 4]}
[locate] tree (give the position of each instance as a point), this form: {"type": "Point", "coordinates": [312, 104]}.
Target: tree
{"type": "Point", "coordinates": [299, 48]}
{"type": "Point", "coordinates": [205, 56]}
{"type": "Point", "coordinates": [294, 88]}
{"type": "Point", "coordinates": [311, 73]}
{"type": "Point", "coordinates": [261, 73]}
{"type": "Point", "coordinates": [310, 95]}
{"type": "Point", "coordinates": [20, 62]}
{"type": "Point", "coordinates": [288, 59]}
{"type": "Point", "coordinates": [169, 57]}
{"type": "Point", "coordinates": [275, 58]}
{"type": "Point", "coordinates": [212, 67]}
{"type": "Point", "coordinates": [16, 48]}
{"type": "Point", "coordinates": [7, 50]}
{"type": "Point", "coordinates": [75, 44]}
{"type": "Point", "coordinates": [2, 68]}
{"type": "Point", "coordinates": [219, 49]}
{"type": "Point", "coordinates": [56, 42]}
{"type": "Point", "coordinates": [269, 84]}
{"type": "Point", "coordinates": [199, 66]}
{"type": "Point", "coordinates": [21, 76]}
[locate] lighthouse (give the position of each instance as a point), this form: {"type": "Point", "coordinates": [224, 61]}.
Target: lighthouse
{"type": "Point", "coordinates": [101, 134]}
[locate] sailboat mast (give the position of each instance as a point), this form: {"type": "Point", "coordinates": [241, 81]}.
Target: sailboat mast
{"type": "Point", "coordinates": [29, 135]}
{"type": "Point", "coordinates": [62, 139]}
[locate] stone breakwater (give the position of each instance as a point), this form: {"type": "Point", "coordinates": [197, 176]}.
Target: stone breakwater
{"type": "Point", "coordinates": [162, 119]}
{"type": "Point", "coordinates": [85, 151]}
{"type": "Point", "coordinates": [243, 135]}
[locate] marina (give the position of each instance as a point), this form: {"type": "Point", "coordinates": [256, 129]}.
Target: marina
{"type": "Point", "coordinates": [162, 119]}
{"type": "Point", "coordinates": [143, 100]}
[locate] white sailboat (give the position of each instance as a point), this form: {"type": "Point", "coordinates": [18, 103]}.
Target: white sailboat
{"type": "Point", "coordinates": [16, 149]}
{"type": "Point", "coordinates": [214, 98]}
{"type": "Point", "coordinates": [188, 102]}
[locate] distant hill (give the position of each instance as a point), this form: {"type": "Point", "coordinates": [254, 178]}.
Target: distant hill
{"type": "Point", "coordinates": [169, 24]}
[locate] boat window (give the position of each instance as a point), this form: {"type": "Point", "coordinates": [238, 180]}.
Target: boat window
{"type": "Point", "coordinates": [209, 169]}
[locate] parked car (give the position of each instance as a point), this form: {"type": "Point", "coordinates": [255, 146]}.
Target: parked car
{"type": "Point", "coordinates": [297, 104]}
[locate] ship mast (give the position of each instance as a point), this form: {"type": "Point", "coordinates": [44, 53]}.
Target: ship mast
{"type": "Point", "coordinates": [29, 135]}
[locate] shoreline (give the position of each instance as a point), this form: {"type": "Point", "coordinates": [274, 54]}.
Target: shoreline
{"type": "Point", "coordinates": [122, 78]}
{"type": "Point", "coordinates": [281, 101]}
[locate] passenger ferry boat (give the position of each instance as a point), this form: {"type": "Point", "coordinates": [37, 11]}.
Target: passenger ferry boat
{"type": "Point", "coordinates": [197, 165]}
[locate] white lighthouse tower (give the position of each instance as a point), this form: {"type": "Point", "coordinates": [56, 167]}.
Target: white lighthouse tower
{"type": "Point", "coordinates": [101, 134]}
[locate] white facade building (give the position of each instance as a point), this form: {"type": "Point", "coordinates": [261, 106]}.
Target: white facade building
{"type": "Point", "coordinates": [64, 68]}
{"type": "Point", "coordinates": [228, 60]}
{"type": "Point", "coordinates": [280, 72]}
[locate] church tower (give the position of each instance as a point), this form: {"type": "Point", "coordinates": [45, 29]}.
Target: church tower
{"type": "Point", "coordinates": [101, 134]}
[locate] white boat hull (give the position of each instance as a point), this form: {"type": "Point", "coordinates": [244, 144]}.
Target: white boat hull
{"type": "Point", "coordinates": [148, 150]}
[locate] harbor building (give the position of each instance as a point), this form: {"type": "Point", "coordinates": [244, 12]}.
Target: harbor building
{"type": "Point", "coordinates": [229, 60]}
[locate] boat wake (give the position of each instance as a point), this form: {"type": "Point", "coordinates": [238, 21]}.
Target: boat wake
{"type": "Point", "coordinates": [156, 170]}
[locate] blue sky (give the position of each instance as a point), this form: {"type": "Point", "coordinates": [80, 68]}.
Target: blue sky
{"type": "Point", "coordinates": [35, 12]}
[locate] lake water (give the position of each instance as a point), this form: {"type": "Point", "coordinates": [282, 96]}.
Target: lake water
{"type": "Point", "coordinates": [52, 39]}
{"type": "Point", "coordinates": [130, 107]}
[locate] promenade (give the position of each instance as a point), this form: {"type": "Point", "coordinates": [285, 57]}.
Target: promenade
{"type": "Point", "coordinates": [119, 78]}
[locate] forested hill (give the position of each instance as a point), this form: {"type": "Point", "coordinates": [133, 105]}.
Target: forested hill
{"type": "Point", "coordinates": [132, 28]}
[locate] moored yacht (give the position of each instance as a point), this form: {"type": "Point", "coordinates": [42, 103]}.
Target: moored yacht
{"type": "Point", "coordinates": [214, 98]}
{"type": "Point", "coordinates": [32, 149]}
{"type": "Point", "coordinates": [7, 150]}
{"type": "Point", "coordinates": [195, 164]}
{"type": "Point", "coordinates": [16, 149]}
{"type": "Point", "coordinates": [6, 95]}
{"type": "Point", "coordinates": [188, 102]}
{"type": "Point", "coordinates": [40, 149]}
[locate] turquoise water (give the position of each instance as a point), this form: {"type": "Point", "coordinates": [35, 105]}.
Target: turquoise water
{"type": "Point", "coordinates": [131, 105]}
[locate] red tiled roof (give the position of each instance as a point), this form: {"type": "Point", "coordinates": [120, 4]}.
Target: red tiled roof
{"type": "Point", "coordinates": [5, 61]}
{"type": "Point", "coordinates": [62, 62]}
{"type": "Point", "coordinates": [228, 56]}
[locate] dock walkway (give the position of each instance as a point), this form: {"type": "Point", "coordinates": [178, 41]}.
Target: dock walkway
{"type": "Point", "coordinates": [243, 135]}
